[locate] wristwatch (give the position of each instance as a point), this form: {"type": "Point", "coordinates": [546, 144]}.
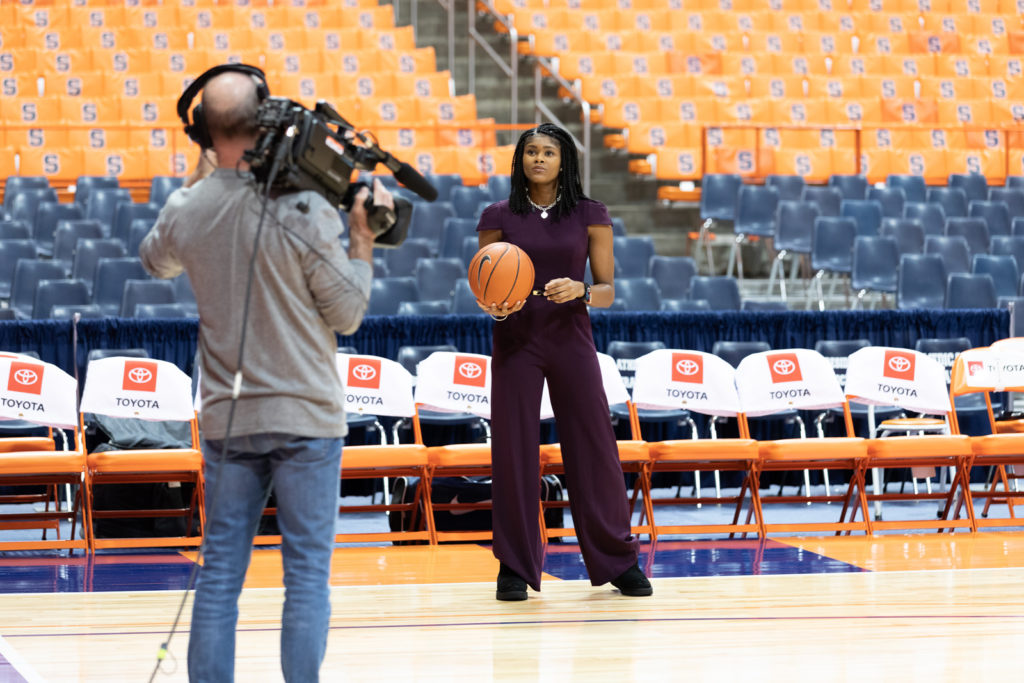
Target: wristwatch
{"type": "Point", "coordinates": [586, 293]}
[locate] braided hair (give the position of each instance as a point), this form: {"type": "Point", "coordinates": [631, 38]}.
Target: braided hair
{"type": "Point", "coordinates": [570, 189]}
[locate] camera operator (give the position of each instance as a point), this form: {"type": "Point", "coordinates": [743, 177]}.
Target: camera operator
{"type": "Point", "coordinates": [288, 424]}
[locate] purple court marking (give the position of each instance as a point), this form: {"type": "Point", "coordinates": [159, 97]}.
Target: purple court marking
{"type": "Point", "coordinates": [8, 671]}
{"type": "Point", "coordinates": [543, 622]}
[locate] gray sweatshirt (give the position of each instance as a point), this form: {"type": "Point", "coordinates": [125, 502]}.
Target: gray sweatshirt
{"type": "Point", "coordinates": [305, 289]}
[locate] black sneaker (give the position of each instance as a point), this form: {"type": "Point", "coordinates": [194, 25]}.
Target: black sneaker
{"type": "Point", "coordinates": [633, 583]}
{"type": "Point", "coordinates": [511, 586]}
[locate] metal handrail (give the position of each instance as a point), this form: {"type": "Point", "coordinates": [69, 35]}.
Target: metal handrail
{"type": "Point", "coordinates": [543, 64]}
{"type": "Point", "coordinates": [511, 69]}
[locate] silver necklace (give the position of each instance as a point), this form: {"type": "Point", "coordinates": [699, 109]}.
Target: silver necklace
{"type": "Point", "coordinates": [543, 209]}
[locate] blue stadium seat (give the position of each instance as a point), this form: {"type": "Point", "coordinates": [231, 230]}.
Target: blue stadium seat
{"type": "Point", "coordinates": [16, 183]}
{"type": "Point", "coordinates": [86, 184]}
{"type": "Point", "coordinates": [764, 305]}
{"type": "Point", "coordinates": [464, 301]}
{"type": "Point", "coordinates": [27, 275]}
{"type": "Point", "coordinates": [974, 185]}
{"type": "Point", "coordinates": [875, 262]}
{"type": "Point", "coordinates": [618, 227]}
{"type": "Point", "coordinates": [137, 231]}
{"type": "Point", "coordinates": [88, 252]}
{"type": "Point", "coordinates": [913, 186]}
{"type": "Point", "coordinates": [974, 230]}
{"type": "Point", "coordinates": [732, 352]}
{"type": "Point", "coordinates": [995, 214]}
{"type": "Point", "coordinates": [109, 279]}
{"type": "Point", "coordinates": [638, 293]}
{"type": "Point", "coordinates": [718, 193]}
{"type": "Point", "coordinates": [183, 292]}
{"type": "Point", "coordinates": [15, 230]}
{"type": "Point", "coordinates": [827, 199]}
{"type": "Point", "coordinates": [866, 212]}
{"type": "Point", "coordinates": [633, 254]}
{"type": "Point", "coordinates": [932, 216]}
{"type": "Point", "coordinates": [64, 311]}
{"type": "Point", "coordinates": [402, 261]}
{"type": "Point", "coordinates": [1014, 200]}
{"type": "Point", "coordinates": [50, 293]}
{"type": "Point", "coordinates": [1012, 246]}
{"type": "Point", "coordinates": [831, 249]}
{"type": "Point", "coordinates": [921, 282]}
{"type": "Point", "coordinates": [161, 187]}
{"type": "Point", "coordinates": [436, 277]}
{"type": "Point", "coordinates": [25, 203]}
{"type": "Point", "coordinates": [685, 305]}
{"type": "Point", "coordinates": [454, 232]}
{"type": "Point", "coordinates": [428, 219]}
{"type": "Point", "coordinates": [424, 308]}
{"type": "Point", "coordinates": [470, 245]}
{"type": "Point", "coordinates": [125, 213]}
{"type": "Point", "coordinates": [789, 187]}
{"type": "Point", "coordinates": [444, 182]}
{"type": "Point", "coordinates": [47, 216]}
{"type": "Point", "coordinates": [150, 311]}
{"type": "Point", "coordinates": [952, 199]}
{"type": "Point", "coordinates": [908, 233]}
{"type": "Point", "coordinates": [891, 199]}
{"type": "Point", "coordinates": [12, 251]}
{"type": "Point", "coordinates": [966, 290]}
{"type": "Point", "coordinates": [625, 354]}
{"type": "Point", "coordinates": [755, 217]}
{"type": "Point", "coordinates": [954, 251]}
{"type": "Point", "coordinates": [1015, 182]}
{"type": "Point", "coordinates": [66, 237]}
{"type": "Point", "coordinates": [387, 293]}
{"type": "Point", "coordinates": [673, 275]}
{"type": "Point", "coordinates": [1017, 226]}
{"type": "Point", "coordinates": [380, 267]}
{"type": "Point", "coordinates": [720, 291]}
{"type": "Point", "coordinates": [466, 199]}
{"type": "Point", "coordinates": [794, 225]}
{"type": "Point", "coordinates": [500, 187]}
{"type": "Point", "coordinates": [852, 186]}
{"type": "Point", "coordinates": [146, 291]}
{"type": "Point", "coordinates": [102, 203]}
{"type": "Point", "coordinates": [1003, 270]}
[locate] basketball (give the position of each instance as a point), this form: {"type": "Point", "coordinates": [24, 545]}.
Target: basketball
{"type": "Point", "coordinates": [501, 272]}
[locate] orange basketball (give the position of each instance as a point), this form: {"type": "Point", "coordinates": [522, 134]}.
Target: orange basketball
{"type": "Point", "coordinates": [501, 272]}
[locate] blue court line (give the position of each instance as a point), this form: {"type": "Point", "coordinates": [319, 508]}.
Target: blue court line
{"type": "Point", "coordinates": [543, 622]}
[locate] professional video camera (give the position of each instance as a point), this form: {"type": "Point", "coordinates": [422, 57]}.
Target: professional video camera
{"type": "Point", "coordinates": [302, 149]}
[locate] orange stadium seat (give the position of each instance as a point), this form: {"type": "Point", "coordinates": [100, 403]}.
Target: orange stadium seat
{"type": "Point", "coordinates": [688, 109]}
{"type": "Point", "coordinates": [1004, 66]}
{"type": "Point", "coordinates": [724, 87]}
{"type": "Point", "coordinates": [777, 87]}
{"type": "Point", "coordinates": [974, 6]}
{"type": "Point", "coordinates": [989, 162]}
{"type": "Point", "coordinates": [55, 162]}
{"type": "Point", "coordinates": [401, 38]}
{"type": "Point", "coordinates": [947, 88]}
{"type": "Point", "coordinates": [7, 160]}
{"type": "Point", "coordinates": [835, 86]}
{"type": "Point", "coordinates": [888, 87]}
{"type": "Point", "coordinates": [476, 134]}
{"type": "Point", "coordinates": [827, 43]}
{"type": "Point", "coordinates": [677, 85]}
{"type": "Point", "coordinates": [929, 42]}
{"type": "Point", "coordinates": [961, 66]}
{"type": "Point", "coordinates": [646, 138]}
{"type": "Point", "coordinates": [748, 64]}
{"type": "Point", "coordinates": [123, 162]}
{"type": "Point", "coordinates": [776, 43]}
{"type": "Point", "coordinates": [302, 61]}
{"type": "Point", "coordinates": [800, 64]}
{"type": "Point", "coordinates": [836, 21]}
{"type": "Point", "coordinates": [740, 111]}
{"type": "Point", "coordinates": [732, 150]}
{"type": "Point", "coordinates": [177, 161]}
{"type": "Point", "coordinates": [409, 138]}
{"type": "Point", "coordinates": [865, 110]}
{"type": "Point", "coordinates": [19, 85]}
{"type": "Point", "coordinates": [695, 64]}
{"type": "Point", "coordinates": [802, 111]}
{"type": "Point", "coordinates": [495, 160]}
{"type": "Point", "coordinates": [678, 163]}
{"type": "Point", "coordinates": [420, 60]}
{"type": "Point", "coordinates": [976, 112]}
{"type": "Point", "coordinates": [910, 65]}
{"type": "Point", "coordinates": [151, 111]}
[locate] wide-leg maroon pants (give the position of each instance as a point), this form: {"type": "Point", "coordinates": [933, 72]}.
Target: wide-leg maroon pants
{"type": "Point", "coordinates": [558, 345]}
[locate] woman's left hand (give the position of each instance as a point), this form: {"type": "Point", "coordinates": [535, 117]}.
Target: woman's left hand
{"type": "Point", "coordinates": [561, 290]}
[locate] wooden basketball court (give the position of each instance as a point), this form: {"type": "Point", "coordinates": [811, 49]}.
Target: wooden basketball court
{"type": "Point", "coordinates": [935, 607]}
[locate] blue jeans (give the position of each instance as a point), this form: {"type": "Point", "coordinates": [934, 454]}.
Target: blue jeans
{"type": "Point", "coordinates": [305, 475]}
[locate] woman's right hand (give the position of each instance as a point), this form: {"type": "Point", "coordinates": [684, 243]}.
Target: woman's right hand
{"type": "Point", "coordinates": [503, 311]}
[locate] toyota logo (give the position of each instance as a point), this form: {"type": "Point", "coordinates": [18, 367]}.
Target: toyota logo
{"type": "Point", "coordinates": [784, 366]}
{"type": "Point", "coordinates": [899, 363]}
{"type": "Point", "coordinates": [364, 372]}
{"type": "Point", "coordinates": [687, 367]}
{"type": "Point", "coordinates": [140, 375]}
{"type": "Point", "coordinates": [470, 370]}
{"type": "Point", "coordinates": [26, 376]}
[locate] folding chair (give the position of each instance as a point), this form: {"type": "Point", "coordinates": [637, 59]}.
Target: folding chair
{"type": "Point", "coordinates": [910, 380]}
{"type": "Point", "coordinates": [670, 379]}
{"type": "Point", "coordinates": [152, 390]}
{"type": "Point", "coordinates": [770, 382]}
{"type": "Point", "coordinates": [983, 371]}
{"type": "Point", "coordinates": [42, 394]}
{"type": "Point", "coordinates": [383, 387]}
{"type": "Point", "coordinates": [449, 381]}
{"type": "Point", "coordinates": [632, 454]}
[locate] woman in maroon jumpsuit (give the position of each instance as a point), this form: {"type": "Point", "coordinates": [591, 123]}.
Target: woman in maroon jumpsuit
{"type": "Point", "coordinates": [548, 216]}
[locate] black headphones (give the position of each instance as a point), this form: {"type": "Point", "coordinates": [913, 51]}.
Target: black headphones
{"type": "Point", "coordinates": [196, 129]}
